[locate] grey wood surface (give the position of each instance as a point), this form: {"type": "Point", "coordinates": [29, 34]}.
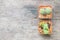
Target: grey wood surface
{"type": "Point", "coordinates": [18, 20]}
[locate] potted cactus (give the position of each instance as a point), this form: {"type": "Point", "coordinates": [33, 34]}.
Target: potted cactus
{"type": "Point", "coordinates": [45, 12]}
{"type": "Point", "coordinates": [45, 27]}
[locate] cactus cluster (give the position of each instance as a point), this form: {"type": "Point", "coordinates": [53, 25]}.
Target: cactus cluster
{"type": "Point", "coordinates": [45, 11]}
{"type": "Point", "coordinates": [45, 27]}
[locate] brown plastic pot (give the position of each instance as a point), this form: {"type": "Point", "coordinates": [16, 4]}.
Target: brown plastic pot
{"type": "Point", "coordinates": [50, 26]}
{"type": "Point", "coordinates": [44, 16]}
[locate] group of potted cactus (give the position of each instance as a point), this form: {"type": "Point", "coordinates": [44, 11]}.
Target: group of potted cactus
{"type": "Point", "coordinates": [45, 15]}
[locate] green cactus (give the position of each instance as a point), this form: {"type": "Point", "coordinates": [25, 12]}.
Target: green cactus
{"type": "Point", "coordinates": [44, 11]}
{"type": "Point", "coordinates": [48, 10]}
{"type": "Point", "coordinates": [45, 31]}
{"type": "Point", "coordinates": [45, 27]}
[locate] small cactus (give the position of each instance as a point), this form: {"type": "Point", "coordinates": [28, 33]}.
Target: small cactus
{"type": "Point", "coordinates": [45, 11]}
{"type": "Point", "coordinates": [45, 27]}
{"type": "Point", "coordinates": [42, 11]}
{"type": "Point", "coordinates": [48, 10]}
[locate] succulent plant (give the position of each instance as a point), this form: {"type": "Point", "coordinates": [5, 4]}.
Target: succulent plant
{"type": "Point", "coordinates": [42, 11]}
{"type": "Point", "coordinates": [45, 27]}
{"type": "Point", "coordinates": [45, 31]}
{"type": "Point", "coordinates": [48, 10]}
{"type": "Point", "coordinates": [45, 11]}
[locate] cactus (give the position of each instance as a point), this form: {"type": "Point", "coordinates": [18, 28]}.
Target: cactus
{"type": "Point", "coordinates": [45, 11]}
{"type": "Point", "coordinates": [48, 10]}
{"type": "Point", "coordinates": [42, 11]}
{"type": "Point", "coordinates": [45, 27]}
